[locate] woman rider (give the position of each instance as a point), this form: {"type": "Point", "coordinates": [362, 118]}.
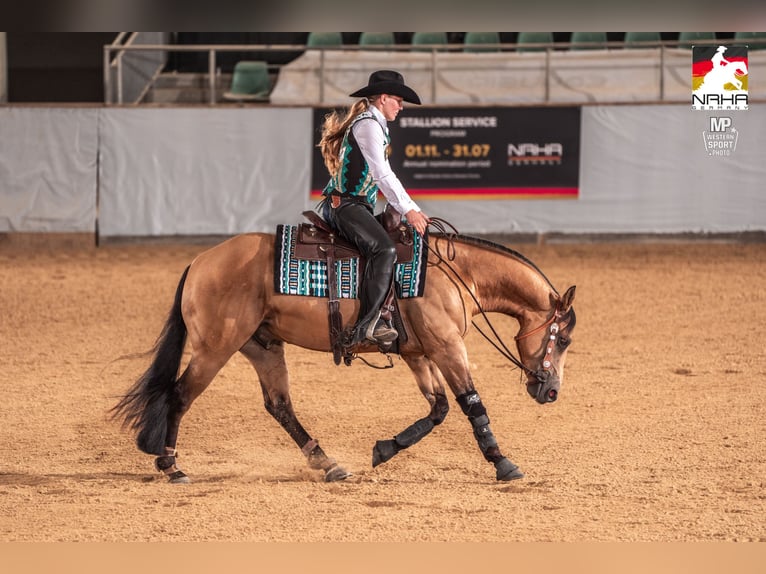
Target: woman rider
{"type": "Point", "coordinates": [355, 148]}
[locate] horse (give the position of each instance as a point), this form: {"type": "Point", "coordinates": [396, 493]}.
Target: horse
{"type": "Point", "coordinates": [226, 303]}
{"type": "Point", "coordinates": [715, 80]}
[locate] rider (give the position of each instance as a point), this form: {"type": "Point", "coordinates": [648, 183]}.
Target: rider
{"type": "Point", "coordinates": [718, 60]}
{"type": "Point", "coordinates": [355, 148]}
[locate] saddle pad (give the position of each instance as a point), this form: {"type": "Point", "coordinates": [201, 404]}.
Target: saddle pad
{"type": "Point", "coordinates": [293, 276]}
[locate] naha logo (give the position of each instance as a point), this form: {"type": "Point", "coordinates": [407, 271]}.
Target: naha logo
{"type": "Point", "coordinates": [535, 154]}
{"type": "Point", "coordinates": [719, 78]}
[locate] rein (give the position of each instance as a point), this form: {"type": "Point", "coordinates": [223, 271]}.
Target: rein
{"type": "Point", "coordinates": [388, 365]}
{"type": "Point", "coordinates": [441, 225]}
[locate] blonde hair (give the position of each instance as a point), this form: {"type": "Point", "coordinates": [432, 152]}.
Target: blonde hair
{"type": "Point", "coordinates": [333, 130]}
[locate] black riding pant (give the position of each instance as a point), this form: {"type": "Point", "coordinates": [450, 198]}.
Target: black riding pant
{"type": "Point", "coordinates": [356, 223]}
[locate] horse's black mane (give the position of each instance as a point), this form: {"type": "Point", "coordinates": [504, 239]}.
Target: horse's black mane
{"type": "Point", "coordinates": [491, 245]}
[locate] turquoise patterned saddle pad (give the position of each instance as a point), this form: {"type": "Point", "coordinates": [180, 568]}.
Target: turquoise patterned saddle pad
{"type": "Point", "coordinates": [298, 276]}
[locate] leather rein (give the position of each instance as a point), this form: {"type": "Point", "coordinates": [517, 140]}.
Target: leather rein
{"type": "Point", "coordinates": [546, 369]}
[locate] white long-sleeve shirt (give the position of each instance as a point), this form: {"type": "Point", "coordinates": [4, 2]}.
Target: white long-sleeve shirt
{"type": "Point", "coordinates": [372, 142]}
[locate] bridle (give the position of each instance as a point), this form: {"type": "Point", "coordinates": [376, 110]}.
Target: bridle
{"type": "Point", "coordinates": [554, 322]}
{"type": "Point", "coordinates": [555, 326]}
{"type": "Point", "coordinates": [546, 369]}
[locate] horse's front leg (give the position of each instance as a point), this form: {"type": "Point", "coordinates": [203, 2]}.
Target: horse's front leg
{"type": "Point", "coordinates": [431, 384]}
{"type": "Point", "coordinates": [269, 363]}
{"type": "Point", "coordinates": [473, 408]}
{"type": "Point", "coordinates": [452, 360]}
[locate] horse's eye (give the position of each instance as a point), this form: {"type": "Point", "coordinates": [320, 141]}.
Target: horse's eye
{"type": "Point", "coordinates": [564, 342]}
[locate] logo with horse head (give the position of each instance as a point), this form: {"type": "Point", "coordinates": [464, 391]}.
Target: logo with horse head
{"type": "Point", "coordinates": [719, 78]}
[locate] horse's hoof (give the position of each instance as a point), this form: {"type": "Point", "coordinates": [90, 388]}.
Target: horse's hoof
{"type": "Point", "coordinates": [336, 473]}
{"type": "Point", "coordinates": [178, 477]}
{"type": "Point", "coordinates": [506, 470]}
{"type": "Point", "coordinates": [383, 450]}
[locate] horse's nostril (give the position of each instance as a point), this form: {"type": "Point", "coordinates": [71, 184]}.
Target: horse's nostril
{"type": "Point", "coordinates": [552, 395]}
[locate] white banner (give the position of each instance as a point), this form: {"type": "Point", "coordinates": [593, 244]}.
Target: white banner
{"type": "Point", "coordinates": [203, 171]}
{"type": "Point", "coordinates": [48, 159]}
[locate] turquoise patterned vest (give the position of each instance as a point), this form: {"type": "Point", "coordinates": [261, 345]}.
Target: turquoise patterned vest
{"type": "Point", "coordinates": [353, 176]}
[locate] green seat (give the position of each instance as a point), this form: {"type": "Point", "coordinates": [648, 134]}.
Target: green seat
{"type": "Point", "coordinates": [541, 38]}
{"type": "Point", "coordinates": [421, 38]}
{"type": "Point", "coordinates": [687, 39]}
{"type": "Point", "coordinates": [316, 39]}
{"type": "Point", "coordinates": [639, 39]}
{"type": "Point", "coordinates": [376, 39]}
{"type": "Point", "coordinates": [475, 41]}
{"type": "Point", "coordinates": [249, 82]}
{"type": "Point", "coordinates": [748, 37]}
{"type": "Point", "coordinates": [588, 41]}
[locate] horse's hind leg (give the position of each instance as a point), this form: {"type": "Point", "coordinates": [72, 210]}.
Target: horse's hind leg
{"type": "Point", "coordinates": [431, 383]}
{"type": "Point", "coordinates": [269, 363]}
{"type": "Point", "coordinates": [197, 376]}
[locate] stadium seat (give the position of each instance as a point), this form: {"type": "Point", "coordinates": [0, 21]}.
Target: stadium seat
{"type": "Point", "coordinates": [316, 39]}
{"type": "Point", "coordinates": [534, 38]}
{"type": "Point", "coordinates": [588, 41]}
{"type": "Point", "coordinates": [249, 82]}
{"type": "Point", "coordinates": [474, 41]}
{"type": "Point", "coordinates": [421, 38]}
{"type": "Point", "coordinates": [747, 37]}
{"type": "Point", "coordinates": [687, 39]}
{"type": "Point", "coordinates": [636, 39]}
{"type": "Point", "coordinates": [376, 39]}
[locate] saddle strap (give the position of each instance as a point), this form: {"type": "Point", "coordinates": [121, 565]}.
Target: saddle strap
{"type": "Point", "coordinates": [398, 322]}
{"type": "Point", "coordinates": [390, 312]}
{"type": "Point", "coordinates": [333, 306]}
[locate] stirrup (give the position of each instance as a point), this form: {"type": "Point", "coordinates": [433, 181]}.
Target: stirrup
{"type": "Point", "coordinates": [380, 332]}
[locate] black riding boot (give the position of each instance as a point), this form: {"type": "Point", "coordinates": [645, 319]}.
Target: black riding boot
{"type": "Point", "coordinates": [356, 223]}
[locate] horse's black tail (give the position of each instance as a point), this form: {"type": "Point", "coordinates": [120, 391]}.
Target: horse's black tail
{"type": "Point", "coordinates": [146, 406]}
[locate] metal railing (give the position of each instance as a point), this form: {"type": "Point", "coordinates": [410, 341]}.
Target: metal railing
{"type": "Point", "coordinates": [116, 62]}
{"type": "Point", "coordinates": [114, 55]}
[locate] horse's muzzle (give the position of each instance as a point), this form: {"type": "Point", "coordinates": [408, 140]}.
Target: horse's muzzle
{"type": "Point", "coordinates": [544, 391]}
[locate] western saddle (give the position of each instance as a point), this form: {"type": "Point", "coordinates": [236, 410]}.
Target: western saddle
{"type": "Point", "coordinates": [316, 240]}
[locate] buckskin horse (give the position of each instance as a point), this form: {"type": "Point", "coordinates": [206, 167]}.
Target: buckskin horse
{"type": "Point", "coordinates": [226, 302]}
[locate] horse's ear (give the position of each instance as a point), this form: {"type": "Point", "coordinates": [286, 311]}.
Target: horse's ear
{"type": "Point", "coordinates": [566, 300]}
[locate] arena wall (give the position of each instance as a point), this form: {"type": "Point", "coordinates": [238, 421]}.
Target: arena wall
{"type": "Point", "coordinates": [135, 172]}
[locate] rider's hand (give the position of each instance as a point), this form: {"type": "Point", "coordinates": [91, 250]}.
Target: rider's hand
{"type": "Point", "coordinates": [418, 220]}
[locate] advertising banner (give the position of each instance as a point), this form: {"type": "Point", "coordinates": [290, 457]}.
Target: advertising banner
{"type": "Point", "coordinates": [479, 153]}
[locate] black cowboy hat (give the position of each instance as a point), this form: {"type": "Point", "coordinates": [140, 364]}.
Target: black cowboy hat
{"type": "Point", "coordinates": [387, 82]}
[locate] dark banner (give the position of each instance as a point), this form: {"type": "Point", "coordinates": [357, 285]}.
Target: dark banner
{"type": "Point", "coordinates": [479, 153]}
